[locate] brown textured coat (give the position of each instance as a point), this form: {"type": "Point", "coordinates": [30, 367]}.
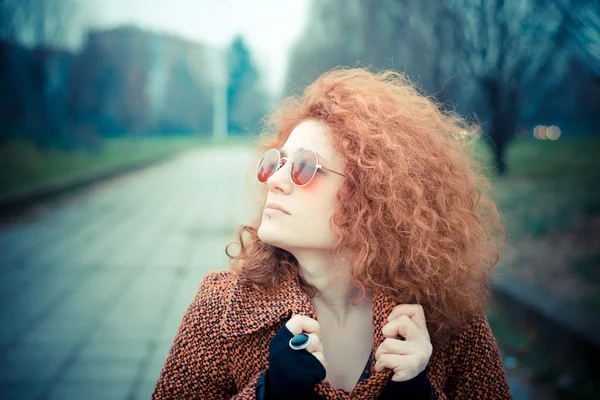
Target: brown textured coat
{"type": "Point", "coordinates": [221, 348]}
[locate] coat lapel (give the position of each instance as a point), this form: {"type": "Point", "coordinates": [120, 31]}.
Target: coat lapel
{"type": "Point", "coordinates": [248, 310]}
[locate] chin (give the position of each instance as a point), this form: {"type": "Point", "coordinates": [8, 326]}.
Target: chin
{"type": "Point", "coordinates": [265, 235]}
{"type": "Point", "coordinates": [270, 237]}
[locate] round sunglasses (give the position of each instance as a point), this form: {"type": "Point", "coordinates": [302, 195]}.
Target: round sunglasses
{"type": "Point", "coordinates": [304, 166]}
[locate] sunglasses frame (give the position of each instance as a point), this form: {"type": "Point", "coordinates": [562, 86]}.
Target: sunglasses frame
{"type": "Point", "coordinates": [280, 164]}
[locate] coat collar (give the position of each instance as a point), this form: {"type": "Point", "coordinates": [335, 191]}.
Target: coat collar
{"type": "Point", "coordinates": [248, 311]}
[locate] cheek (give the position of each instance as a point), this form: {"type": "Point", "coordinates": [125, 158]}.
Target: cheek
{"type": "Point", "coordinates": [318, 201]}
{"type": "Point", "coordinates": [316, 186]}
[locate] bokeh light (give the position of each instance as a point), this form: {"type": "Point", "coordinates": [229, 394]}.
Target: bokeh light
{"type": "Point", "coordinates": [553, 132]}
{"type": "Point", "coordinates": [540, 132]}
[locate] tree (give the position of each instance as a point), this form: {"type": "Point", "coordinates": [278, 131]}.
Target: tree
{"type": "Point", "coordinates": [498, 58]}
{"type": "Point", "coordinates": [583, 19]}
{"type": "Point", "coordinates": [509, 49]}
{"type": "Point", "coordinates": [334, 37]}
{"type": "Point", "coordinates": [34, 34]}
{"type": "Point", "coordinates": [38, 23]}
{"type": "Point", "coordinates": [246, 99]}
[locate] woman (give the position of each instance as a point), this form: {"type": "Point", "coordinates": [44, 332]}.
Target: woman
{"type": "Point", "coordinates": [366, 275]}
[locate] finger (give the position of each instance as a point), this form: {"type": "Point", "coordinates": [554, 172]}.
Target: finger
{"type": "Point", "coordinates": [387, 361]}
{"type": "Point", "coordinates": [396, 362]}
{"type": "Point", "coordinates": [404, 327]}
{"type": "Point", "coordinates": [394, 346]}
{"type": "Point", "coordinates": [321, 357]}
{"type": "Point", "coordinates": [301, 323]}
{"type": "Point", "coordinates": [315, 345]}
{"type": "Point", "coordinates": [405, 369]}
{"type": "Point", "coordinates": [402, 376]}
{"type": "Point", "coordinates": [413, 311]}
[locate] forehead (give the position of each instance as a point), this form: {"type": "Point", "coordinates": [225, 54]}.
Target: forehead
{"type": "Point", "coordinates": [311, 135]}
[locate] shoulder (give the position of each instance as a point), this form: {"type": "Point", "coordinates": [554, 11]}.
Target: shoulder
{"type": "Point", "coordinates": [473, 344]}
{"type": "Point", "coordinates": [215, 288]}
{"type": "Point", "coordinates": [476, 329]}
{"type": "Point", "coordinates": [195, 364]}
{"type": "Point", "coordinates": [217, 280]}
{"type": "Point", "coordinates": [474, 366]}
{"type": "Point", "coordinates": [211, 299]}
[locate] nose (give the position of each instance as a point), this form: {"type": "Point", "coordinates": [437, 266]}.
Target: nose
{"type": "Point", "coordinates": [280, 180]}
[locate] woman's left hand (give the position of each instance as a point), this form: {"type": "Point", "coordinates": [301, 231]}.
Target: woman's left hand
{"type": "Point", "coordinates": [407, 358]}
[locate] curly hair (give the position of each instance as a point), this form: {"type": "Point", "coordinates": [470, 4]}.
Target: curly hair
{"type": "Point", "coordinates": [415, 209]}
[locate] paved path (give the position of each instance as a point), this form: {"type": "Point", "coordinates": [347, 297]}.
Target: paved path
{"type": "Point", "coordinates": [91, 294]}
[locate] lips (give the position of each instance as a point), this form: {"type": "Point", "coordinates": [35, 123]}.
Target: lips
{"type": "Point", "coordinates": [276, 206]}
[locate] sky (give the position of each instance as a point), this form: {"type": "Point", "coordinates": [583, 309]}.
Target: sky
{"type": "Point", "coordinates": [269, 27]}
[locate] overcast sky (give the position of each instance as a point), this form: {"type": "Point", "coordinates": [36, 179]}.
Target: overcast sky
{"type": "Point", "coordinates": [269, 26]}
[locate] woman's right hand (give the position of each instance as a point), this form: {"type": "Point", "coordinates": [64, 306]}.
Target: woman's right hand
{"type": "Point", "coordinates": [303, 324]}
{"type": "Point", "coordinates": [292, 374]}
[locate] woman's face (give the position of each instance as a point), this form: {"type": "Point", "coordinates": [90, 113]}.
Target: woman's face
{"type": "Point", "coordinates": [306, 225]}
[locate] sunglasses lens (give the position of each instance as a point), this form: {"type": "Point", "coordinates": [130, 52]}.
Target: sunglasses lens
{"type": "Point", "coordinates": [304, 167]}
{"type": "Point", "coordinates": [267, 166]}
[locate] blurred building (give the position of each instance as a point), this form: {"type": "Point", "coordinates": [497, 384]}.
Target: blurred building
{"type": "Point", "coordinates": [128, 81]}
{"type": "Point", "coordinates": [124, 81]}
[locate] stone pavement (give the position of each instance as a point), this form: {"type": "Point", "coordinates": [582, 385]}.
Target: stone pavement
{"type": "Point", "coordinates": [92, 293]}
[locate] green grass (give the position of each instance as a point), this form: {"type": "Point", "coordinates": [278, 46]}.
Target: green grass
{"type": "Point", "coordinates": [24, 167]}
{"type": "Point", "coordinates": [549, 183]}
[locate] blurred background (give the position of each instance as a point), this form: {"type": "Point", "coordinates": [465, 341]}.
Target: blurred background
{"type": "Point", "coordinates": [126, 132]}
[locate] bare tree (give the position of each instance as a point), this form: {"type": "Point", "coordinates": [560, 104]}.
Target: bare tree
{"type": "Point", "coordinates": [583, 19]}
{"type": "Point", "coordinates": [499, 58]}
{"type": "Point", "coordinates": [509, 48]}
{"type": "Point", "coordinates": [35, 34]}
{"type": "Point", "coordinates": [38, 23]}
{"type": "Point", "coordinates": [333, 38]}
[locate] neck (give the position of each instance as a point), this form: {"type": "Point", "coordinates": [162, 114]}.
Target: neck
{"type": "Point", "coordinates": [337, 292]}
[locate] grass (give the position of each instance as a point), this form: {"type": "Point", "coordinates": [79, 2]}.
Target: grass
{"type": "Point", "coordinates": [24, 167]}
{"type": "Point", "coordinates": [552, 185]}
{"type": "Point", "coordinates": [549, 184]}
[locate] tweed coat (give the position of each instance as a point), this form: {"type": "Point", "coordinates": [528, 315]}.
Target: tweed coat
{"type": "Point", "coordinates": [221, 347]}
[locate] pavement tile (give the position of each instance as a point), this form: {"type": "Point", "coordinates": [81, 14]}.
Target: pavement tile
{"type": "Point", "coordinates": [144, 390]}
{"type": "Point", "coordinates": [93, 369]}
{"type": "Point", "coordinates": [97, 390]}
{"type": "Point", "coordinates": [23, 370]}
{"type": "Point", "coordinates": [156, 364]}
{"type": "Point", "coordinates": [115, 348]}
{"type": "Point", "coordinates": [20, 391]}
{"type": "Point", "coordinates": [138, 331]}
{"type": "Point", "coordinates": [45, 348]}
{"type": "Point", "coordinates": [70, 331]}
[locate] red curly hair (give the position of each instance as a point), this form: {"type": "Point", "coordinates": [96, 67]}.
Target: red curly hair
{"type": "Point", "coordinates": [415, 209]}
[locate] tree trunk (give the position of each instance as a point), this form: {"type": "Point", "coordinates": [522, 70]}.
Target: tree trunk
{"type": "Point", "coordinates": [502, 100]}
{"type": "Point", "coordinates": [499, 156]}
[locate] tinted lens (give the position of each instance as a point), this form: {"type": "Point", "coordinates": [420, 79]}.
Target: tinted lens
{"type": "Point", "coordinates": [268, 165]}
{"type": "Point", "coordinates": [304, 167]}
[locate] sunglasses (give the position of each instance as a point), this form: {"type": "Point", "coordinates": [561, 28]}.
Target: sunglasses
{"type": "Point", "coordinates": [304, 166]}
